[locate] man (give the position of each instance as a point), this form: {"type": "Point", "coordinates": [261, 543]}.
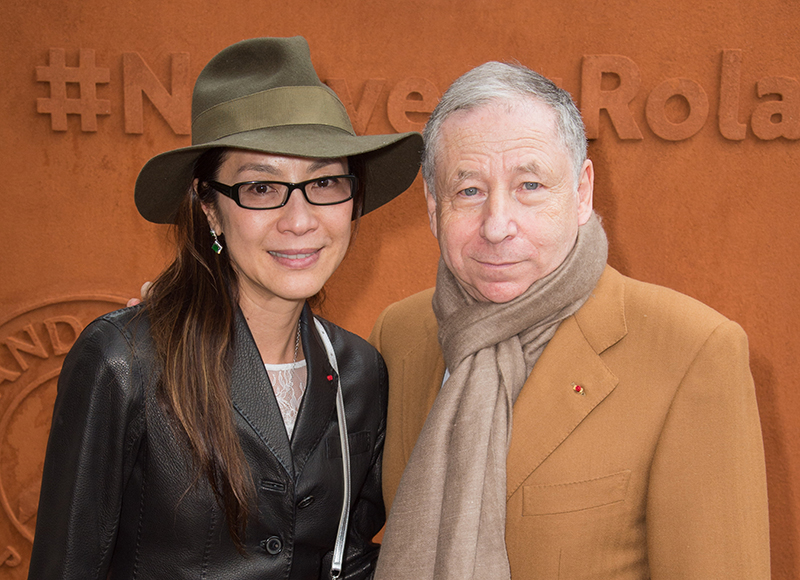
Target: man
{"type": "Point", "coordinates": [634, 447]}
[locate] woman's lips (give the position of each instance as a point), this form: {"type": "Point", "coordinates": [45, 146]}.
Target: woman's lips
{"type": "Point", "coordinates": [300, 258]}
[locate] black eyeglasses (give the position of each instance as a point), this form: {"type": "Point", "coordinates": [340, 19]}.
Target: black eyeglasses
{"type": "Point", "coordinates": [328, 190]}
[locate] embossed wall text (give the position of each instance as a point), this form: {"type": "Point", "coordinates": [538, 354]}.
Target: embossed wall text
{"type": "Point", "coordinates": [609, 85]}
{"type": "Point", "coordinates": [359, 114]}
{"type": "Point", "coordinates": [33, 343]}
{"type": "Point", "coordinates": [87, 76]}
{"type": "Point", "coordinates": [174, 106]}
{"type": "Point", "coordinates": [777, 116]}
{"type": "Point", "coordinates": [410, 103]}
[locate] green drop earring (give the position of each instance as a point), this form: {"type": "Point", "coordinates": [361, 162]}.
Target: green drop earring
{"type": "Point", "coordinates": [216, 246]}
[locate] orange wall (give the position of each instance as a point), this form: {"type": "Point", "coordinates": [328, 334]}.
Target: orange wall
{"type": "Point", "coordinates": [699, 198]}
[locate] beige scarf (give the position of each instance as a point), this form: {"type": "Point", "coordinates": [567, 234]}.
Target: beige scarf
{"type": "Point", "coordinates": [448, 517]}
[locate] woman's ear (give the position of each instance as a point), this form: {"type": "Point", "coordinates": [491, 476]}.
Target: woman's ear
{"type": "Point", "coordinates": [210, 211]}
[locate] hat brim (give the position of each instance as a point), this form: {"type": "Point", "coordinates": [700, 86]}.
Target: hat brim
{"type": "Point", "coordinates": [391, 163]}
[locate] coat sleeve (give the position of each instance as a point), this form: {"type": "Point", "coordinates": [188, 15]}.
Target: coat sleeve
{"type": "Point", "coordinates": [96, 430]}
{"type": "Point", "coordinates": [707, 498]}
{"type": "Point", "coordinates": [393, 458]}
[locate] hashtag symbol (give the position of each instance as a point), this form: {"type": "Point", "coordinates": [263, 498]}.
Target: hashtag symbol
{"type": "Point", "coordinates": [87, 76]}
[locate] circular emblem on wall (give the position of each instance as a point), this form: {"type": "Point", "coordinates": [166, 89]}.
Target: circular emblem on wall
{"type": "Point", "coordinates": [33, 343]}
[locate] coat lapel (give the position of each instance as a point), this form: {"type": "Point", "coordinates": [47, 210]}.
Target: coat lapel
{"type": "Point", "coordinates": [318, 409]}
{"type": "Point", "coordinates": [254, 399]}
{"type": "Point", "coordinates": [548, 408]}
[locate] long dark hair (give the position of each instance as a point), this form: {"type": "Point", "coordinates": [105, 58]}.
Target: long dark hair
{"type": "Point", "coordinates": [192, 307]}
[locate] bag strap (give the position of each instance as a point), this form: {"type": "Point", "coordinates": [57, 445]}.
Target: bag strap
{"type": "Point", "coordinates": [341, 534]}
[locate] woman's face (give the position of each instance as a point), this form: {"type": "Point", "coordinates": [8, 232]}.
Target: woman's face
{"type": "Point", "coordinates": [288, 253]}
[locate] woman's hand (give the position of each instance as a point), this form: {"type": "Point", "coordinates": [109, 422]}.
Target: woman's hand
{"type": "Point", "coordinates": [145, 290]}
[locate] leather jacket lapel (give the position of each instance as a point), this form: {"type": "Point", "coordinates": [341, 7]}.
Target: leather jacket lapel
{"type": "Point", "coordinates": [318, 409]}
{"type": "Point", "coordinates": [254, 399]}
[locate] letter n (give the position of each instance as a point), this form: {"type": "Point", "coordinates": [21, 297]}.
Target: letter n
{"type": "Point", "coordinates": [17, 346]}
{"type": "Point", "coordinates": [174, 107]}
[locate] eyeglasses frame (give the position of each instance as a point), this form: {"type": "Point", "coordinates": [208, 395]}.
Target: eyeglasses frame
{"type": "Point", "coordinates": [232, 191]}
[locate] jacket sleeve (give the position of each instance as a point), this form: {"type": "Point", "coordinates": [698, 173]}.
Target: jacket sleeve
{"type": "Point", "coordinates": [367, 515]}
{"type": "Point", "coordinates": [96, 430]}
{"type": "Point", "coordinates": [707, 498]}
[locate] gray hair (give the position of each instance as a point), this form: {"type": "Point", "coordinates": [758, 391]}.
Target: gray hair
{"type": "Point", "coordinates": [496, 81]}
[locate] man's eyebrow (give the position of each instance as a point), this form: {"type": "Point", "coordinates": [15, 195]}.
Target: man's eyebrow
{"type": "Point", "coordinates": [462, 175]}
{"type": "Point", "coordinates": [531, 167]}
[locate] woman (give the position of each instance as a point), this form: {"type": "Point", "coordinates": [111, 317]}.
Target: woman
{"type": "Point", "coordinates": [198, 434]}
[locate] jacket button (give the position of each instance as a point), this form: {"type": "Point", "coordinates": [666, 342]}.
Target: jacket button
{"type": "Point", "coordinates": [305, 502]}
{"type": "Point", "coordinates": [272, 545]}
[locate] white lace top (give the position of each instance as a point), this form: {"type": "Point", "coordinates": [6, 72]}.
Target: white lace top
{"type": "Point", "coordinates": [289, 383]}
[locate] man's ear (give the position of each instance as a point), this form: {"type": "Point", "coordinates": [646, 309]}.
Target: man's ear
{"type": "Point", "coordinates": [211, 213]}
{"type": "Point", "coordinates": [431, 201]}
{"type": "Point", "coordinates": [585, 192]}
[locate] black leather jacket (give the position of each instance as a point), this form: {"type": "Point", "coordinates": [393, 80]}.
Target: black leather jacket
{"type": "Point", "coordinates": [118, 499]}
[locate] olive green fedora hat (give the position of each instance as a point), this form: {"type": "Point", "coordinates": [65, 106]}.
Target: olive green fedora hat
{"type": "Point", "coordinates": [263, 95]}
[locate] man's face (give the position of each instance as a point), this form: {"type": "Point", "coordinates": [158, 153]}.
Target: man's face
{"type": "Point", "coordinates": [507, 208]}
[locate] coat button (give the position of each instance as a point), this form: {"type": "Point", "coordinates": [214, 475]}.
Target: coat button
{"type": "Point", "coordinates": [272, 545]}
{"type": "Point", "coordinates": [305, 502]}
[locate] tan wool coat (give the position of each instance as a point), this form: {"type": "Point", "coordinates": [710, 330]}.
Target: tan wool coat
{"type": "Point", "coordinates": [636, 446]}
